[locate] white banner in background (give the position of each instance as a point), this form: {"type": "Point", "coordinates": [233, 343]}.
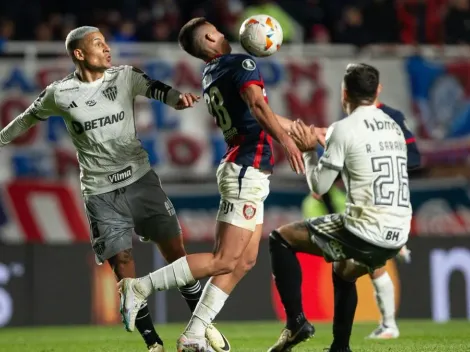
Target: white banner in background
{"type": "Point", "coordinates": [180, 143]}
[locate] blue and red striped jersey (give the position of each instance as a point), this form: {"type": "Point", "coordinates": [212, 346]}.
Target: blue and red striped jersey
{"type": "Point", "coordinates": [224, 78]}
{"type": "Point", "coordinates": [414, 157]}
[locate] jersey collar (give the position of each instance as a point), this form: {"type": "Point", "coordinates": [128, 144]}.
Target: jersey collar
{"type": "Point", "coordinates": [213, 59]}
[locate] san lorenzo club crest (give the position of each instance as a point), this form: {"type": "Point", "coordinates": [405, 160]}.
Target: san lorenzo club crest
{"type": "Point", "coordinates": [249, 211]}
{"type": "Point", "coordinates": [110, 93]}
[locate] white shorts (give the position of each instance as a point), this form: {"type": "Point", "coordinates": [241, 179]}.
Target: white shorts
{"type": "Point", "coordinates": [243, 190]}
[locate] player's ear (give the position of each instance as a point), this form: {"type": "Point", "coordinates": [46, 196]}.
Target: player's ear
{"type": "Point", "coordinates": [344, 94]}
{"type": "Point", "coordinates": [379, 89]}
{"type": "Point", "coordinates": [210, 37]}
{"type": "Point", "coordinates": [78, 54]}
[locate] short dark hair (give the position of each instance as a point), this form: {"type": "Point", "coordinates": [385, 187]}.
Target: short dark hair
{"type": "Point", "coordinates": [187, 37]}
{"type": "Point", "coordinates": [361, 82]}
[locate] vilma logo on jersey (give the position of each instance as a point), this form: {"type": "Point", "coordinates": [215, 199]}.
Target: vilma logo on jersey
{"type": "Point", "coordinates": [111, 93]}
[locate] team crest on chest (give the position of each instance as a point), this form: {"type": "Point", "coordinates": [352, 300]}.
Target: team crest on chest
{"type": "Point", "coordinates": [249, 211]}
{"type": "Point", "coordinates": [111, 93]}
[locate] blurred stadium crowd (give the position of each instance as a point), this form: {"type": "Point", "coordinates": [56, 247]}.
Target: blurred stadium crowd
{"type": "Point", "coordinates": [358, 22]}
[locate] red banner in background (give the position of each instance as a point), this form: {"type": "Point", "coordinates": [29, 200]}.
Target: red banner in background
{"type": "Point", "coordinates": [53, 212]}
{"type": "Point", "coordinates": [47, 211]}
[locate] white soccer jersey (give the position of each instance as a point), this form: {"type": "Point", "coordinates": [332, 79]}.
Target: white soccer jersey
{"type": "Point", "coordinates": [369, 149]}
{"type": "Point", "coordinates": [100, 120]}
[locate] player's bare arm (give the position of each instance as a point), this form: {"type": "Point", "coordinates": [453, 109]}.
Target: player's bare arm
{"type": "Point", "coordinates": [254, 98]}
{"type": "Point", "coordinates": [287, 123]}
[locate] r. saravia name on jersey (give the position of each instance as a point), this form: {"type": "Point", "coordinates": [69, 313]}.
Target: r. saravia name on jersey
{"type": "Point", "coordinates": [96, 123]}
{"type": "Point", "coordinates": [377, 126]}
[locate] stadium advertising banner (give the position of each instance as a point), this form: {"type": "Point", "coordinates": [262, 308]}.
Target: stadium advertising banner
{"type": "Point", "coordinates": [62, 285]}
{"type": "Point", "coordinates": [52, 212]}
{"type": "Point", "coordinates": [187, 143]}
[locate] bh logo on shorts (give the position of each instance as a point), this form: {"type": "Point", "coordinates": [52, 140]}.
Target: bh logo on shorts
{"type": "Point", "coordinates": [249, 211]}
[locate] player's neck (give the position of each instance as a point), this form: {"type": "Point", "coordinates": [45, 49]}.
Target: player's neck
{"type": "Point", "coordinates": [351, 107]}
{"type": "Point", "coordinates": [212, 54]}
{"type": "Point", "coordinates": [88, 76]}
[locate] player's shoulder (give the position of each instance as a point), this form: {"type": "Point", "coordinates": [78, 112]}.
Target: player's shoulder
{"type": "Point", "coordinates": [61, 85]}
{"type": "Point", "coordinates": [118, 69]}
{"type": "Point", "coordinates": [395, 114]}
{"type": "Point", "coordinates": [340, 129]}
{"type": "Point", "coordinates": [240, 61]}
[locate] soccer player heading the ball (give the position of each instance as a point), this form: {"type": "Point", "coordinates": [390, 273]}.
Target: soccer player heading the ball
{"type": "Point", "coordinates": [235, 96]}
{"type": "Point", "coordinates": [120, 190]}
{"type": "Point", "coordinates": [369, 149]}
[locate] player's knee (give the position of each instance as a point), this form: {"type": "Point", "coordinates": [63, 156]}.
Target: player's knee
{"type": "Point", "coordinates": [342, 270]}
{"type": "Point", "coordinates": [247, 264]}
{"type": "Point", "coordinates": [224, 265]}
{"type": "Point", "coordinates": [378, 273]}
{"type": "Point", "coordinates": [348, 270]}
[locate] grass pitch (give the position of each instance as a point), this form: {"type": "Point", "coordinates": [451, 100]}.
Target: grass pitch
{"type": "Point", "coordinates": [416, 336]}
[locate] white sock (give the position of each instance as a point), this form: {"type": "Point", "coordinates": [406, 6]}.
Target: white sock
{"type": "Point", "coordinates": [385, 296]}
{"type": "Point", "coordinates": [210, 304]}
{"type": "Point", "coordinates": [176, 274]}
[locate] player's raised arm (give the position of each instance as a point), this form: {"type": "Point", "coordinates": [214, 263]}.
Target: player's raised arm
{"type": "Point", "coordinates": [142, 84]}
{"type": "Point", "coordinates": [40, 110]}
{"type": "Point", "coordinates": [320, 173]}
{"type": "Point", "coordinates": [254, 98]}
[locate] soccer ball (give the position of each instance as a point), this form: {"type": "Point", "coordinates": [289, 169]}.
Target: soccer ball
{"type": "Point", "coordinates": [261, 35]}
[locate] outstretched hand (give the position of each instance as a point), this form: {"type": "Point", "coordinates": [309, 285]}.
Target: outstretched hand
{"type": "Point", "coordinates": [293, 155]}
{"type": "Point", "coordinates": [187, 100]}
{"type": "Point", "coordinates": [304, 136]}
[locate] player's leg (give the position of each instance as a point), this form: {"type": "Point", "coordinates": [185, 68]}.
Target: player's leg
{"type": "Point", "coordinates": [182, 272]}
{"type": "Point", "coordinates": [111, 235]}
{"type": "Point", "coordinates": [240, 216]}
{"type": "Point", "coordinates": [385, 297]}
{"type": "Point", "coordinates": [217, 291]}
{"type": "Point", "coordinates": [172, 249]}
{"type": "Point", "coordinates": [229, 281]}
{"type": "Point", "coordinates": [155, 219]}
{"type": "Point", "coordinates": [284, 243]}
{"type": "Point", "coordinates": [365, 258]}
{"type": "Point", "coordinates": [345, 274]}
{"type": "Point", "coordinates": [233, 238]}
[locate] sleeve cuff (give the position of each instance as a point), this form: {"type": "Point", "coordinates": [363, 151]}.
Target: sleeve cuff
{"type": "Point", "coordinates": [249, 83]}
{"type": "Point", "coordinates": [173, 97]}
